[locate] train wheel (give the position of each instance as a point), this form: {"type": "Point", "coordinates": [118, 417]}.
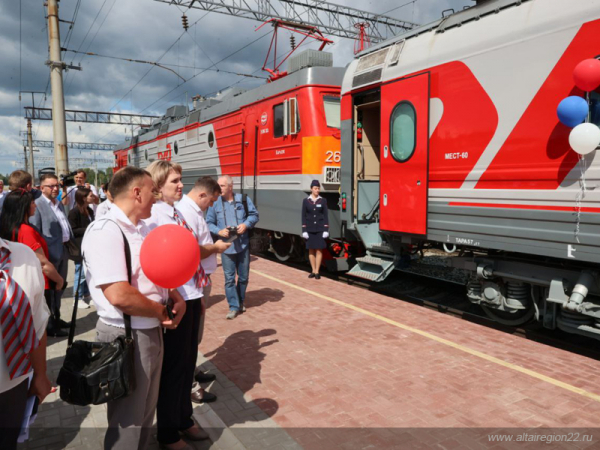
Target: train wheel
{"type": "Point", "coordinates": [283, 246]}
{"type": "Point", "coordinates": [513, 319]}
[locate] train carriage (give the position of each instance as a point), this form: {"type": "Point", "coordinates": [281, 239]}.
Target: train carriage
{"type": "Point", "coordinates": [450, 136]}
{"type": "Point", "coordinates": [273, 140]}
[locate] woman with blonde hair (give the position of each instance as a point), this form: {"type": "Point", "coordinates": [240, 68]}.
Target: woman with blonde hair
{"type": "Point", "coordinates": [174, 409]}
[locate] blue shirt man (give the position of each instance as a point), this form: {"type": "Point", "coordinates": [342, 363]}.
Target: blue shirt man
{"type": "Point", "coordinates": [228, 212]}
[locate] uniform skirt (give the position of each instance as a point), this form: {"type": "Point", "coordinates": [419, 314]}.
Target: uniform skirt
{"type": "Point", "coordinates": [315, 241]}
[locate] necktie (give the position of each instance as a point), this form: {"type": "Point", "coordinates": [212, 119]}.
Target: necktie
{"type": "Point", "coordinates": [16, 322]}
{"type": "Point", "coordinates": [200, 277]}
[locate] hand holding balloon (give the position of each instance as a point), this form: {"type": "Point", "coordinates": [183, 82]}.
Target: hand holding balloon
{"type": "Point", "coordinates": [170, 256]}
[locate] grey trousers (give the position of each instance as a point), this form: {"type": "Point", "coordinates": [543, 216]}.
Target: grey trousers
{"type": "Point", "coordinates": [130, 419]}
{"type": "Point", "coordinates": [206, 295]}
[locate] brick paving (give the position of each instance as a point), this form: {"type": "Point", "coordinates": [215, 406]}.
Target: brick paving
{"type": "Point", "coordinates": [298, 371]}
{"type": "Point", "coordinates": [314, 365]}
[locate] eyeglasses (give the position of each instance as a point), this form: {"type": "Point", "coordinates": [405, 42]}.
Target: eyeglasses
{"type": "Point", "coordinates": [51, 186]}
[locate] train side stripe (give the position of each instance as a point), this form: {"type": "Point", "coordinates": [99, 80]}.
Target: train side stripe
{"type": "Point", "coordinates": [440, 340]}
{"type": "Point", "coordinates": [536, 207]}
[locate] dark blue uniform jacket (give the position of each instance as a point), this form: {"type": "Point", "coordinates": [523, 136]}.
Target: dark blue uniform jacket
{"type": "Point", "coordinates": [314, 216]}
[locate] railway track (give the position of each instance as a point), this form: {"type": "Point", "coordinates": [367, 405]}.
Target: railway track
{"type": "Point", "coordinates": [427, 286]}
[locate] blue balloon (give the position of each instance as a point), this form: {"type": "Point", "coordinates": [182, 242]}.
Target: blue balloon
{"type": "Point", "coordinates": [572, 111]}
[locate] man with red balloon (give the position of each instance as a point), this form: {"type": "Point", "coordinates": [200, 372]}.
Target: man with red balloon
{"type": "Point", "coordinates": [171, 258]}
{"type": "Point", "coordinates": [130, 418]}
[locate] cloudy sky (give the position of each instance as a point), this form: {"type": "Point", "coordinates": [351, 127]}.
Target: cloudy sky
{"type": "Point", "coordinates": [139, 29]}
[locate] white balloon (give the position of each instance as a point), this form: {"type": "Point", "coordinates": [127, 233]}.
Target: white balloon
{"type": "Point", "coordinates": [584, 138]}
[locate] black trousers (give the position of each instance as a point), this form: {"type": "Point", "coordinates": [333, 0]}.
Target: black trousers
{"type": "Point", "coordinates": [12, 411]}
{"type": "Point", "coordinates": [174, 410]}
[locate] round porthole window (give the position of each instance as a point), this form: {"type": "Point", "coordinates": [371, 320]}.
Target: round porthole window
{"type": "Point", "coordinates": [146, 154]}
{"type": "Point", "coordinates": [211, 139]}
{"type": "Point", "coordinates": [175, 147]}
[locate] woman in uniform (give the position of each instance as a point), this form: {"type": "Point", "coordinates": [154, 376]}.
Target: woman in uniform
{"type": "Point", "coordinates": [315, 227]}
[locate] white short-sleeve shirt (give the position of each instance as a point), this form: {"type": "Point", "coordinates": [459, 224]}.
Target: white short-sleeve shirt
{"type": "Point", "coordinates": [163, 214]}
{"type": "Point", "coordinates": [104, 258]}
{"type": "Point", "coordinates": [195, 218]}
{"type": "Point", "coordinates": [26, 270]}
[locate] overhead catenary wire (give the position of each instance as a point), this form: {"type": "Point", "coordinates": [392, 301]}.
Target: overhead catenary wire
{"type": "Point", "coordinates": [200, 73]}
{"type": "Point", "coordinates": [166, 66]}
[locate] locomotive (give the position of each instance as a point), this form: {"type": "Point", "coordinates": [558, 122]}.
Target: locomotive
{"type": "Point", "coordinates": [450, 136]}
{"type": "Point", "coordinates": [446, 135]}
{"type": "Point", "coordinates": [272, 140]}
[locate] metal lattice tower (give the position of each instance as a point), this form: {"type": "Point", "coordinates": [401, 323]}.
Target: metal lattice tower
{"type": "Point", "coordinates": [331, 19]}
{"type": "Point", "coordinates": [74, 145]}
{"type": "Point", "coordinates": [91, 116]}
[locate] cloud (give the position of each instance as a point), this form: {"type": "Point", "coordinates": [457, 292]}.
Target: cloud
{"type": "Point", "coordinates": [138, 29]}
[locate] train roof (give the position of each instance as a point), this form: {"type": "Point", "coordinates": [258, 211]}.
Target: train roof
{"type": "Point", "coordinates": [445, 23]}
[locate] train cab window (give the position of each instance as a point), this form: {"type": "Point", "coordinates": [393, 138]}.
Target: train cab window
{"type": "Point", "coordinates": [332, 111]}
{"type": "Point", "coordinates": [278, 120]}
{"type": "Point", "coordinates": [286, 120]}
{"type": "Point", "coordinates": [403, 125]}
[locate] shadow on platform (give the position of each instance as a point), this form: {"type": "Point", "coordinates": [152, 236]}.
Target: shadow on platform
{"type": "Point", "coordinates": [254, 298]}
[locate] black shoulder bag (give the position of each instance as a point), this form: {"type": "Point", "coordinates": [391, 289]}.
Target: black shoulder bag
{"type": "Point", "coordinates": [98, 372]}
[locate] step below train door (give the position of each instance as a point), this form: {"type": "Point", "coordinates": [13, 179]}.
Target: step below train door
{"type": "Point", "coordinates": [405, 155]}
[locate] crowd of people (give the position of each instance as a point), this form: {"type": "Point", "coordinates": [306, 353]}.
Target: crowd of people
{"type": "Point", "coordinates": [102, 232]}
{"type": "Point", "coordinates": [43, 228]}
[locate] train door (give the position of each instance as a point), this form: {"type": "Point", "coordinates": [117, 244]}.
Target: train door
{"type": "Point", "coordinates": [405, 156]}
{"type": "Point", "coordinates": [250, 172]}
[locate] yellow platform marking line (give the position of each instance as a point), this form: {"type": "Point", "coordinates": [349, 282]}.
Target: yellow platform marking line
{"type": "Point", "coordinates": [440, 340]}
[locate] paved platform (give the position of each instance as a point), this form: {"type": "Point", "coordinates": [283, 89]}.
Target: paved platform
{"type": "Point", "coordinates": [318, 364]}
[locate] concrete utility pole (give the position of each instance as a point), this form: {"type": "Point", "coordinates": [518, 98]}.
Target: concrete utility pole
{"type": "Point", "coordinates": [25, 156]}
{"type": "Point", "coordinates": [61, 157]}
{"type": "Point", "coordinates": [30, 144]}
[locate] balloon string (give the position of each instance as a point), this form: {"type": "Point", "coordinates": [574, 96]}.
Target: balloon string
{"type": "Point", "coordinates": [580, 195]}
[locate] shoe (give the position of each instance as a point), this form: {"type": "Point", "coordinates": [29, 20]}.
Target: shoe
{"type": "Point", "coordinates": [243, 309]}
{"type": "Point", "coordinates": [200, 396]}
{"type": "Point", "coordinates": [82, 304]}
{"type": "Point", "coordinates": [317, 276]}
{"type": "Point", "coordinates": [312, 275]}
{"type": "Point", "coordinates": [63, 324]}
{"type": "Point", "coordinates": [195, 433]}
{"type": "Point", "coordinates": [232, 314]}
{"type": "Point", "coordinates": [202, 377]}
{"type": "Point", "coordinates": [57, 333]}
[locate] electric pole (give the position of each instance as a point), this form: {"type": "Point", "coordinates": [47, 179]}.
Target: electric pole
{"type": "Point", "coordinates": [61, 157]}
{"type": "Point", "coordinates": [25, 156]}
{"type": "Point", "coordinates": [30, 144]}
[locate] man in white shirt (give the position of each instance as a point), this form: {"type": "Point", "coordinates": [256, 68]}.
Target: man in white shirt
{"type": "Point", "coordinates": [51, 222]}
{"type": "Point", "coordinates": [26, 271]}
{"type": "Point", "coordinates": [193, 205]}
{"type": "Point", "coordinates": [129, 419]}
{"type": "Point", "coordinates": [68, 198]}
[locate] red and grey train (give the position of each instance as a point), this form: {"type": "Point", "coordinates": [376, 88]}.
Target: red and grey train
{"type": "Point", "coordinates": [447, 134]}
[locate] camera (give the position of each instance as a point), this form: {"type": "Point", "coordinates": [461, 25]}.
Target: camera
{"type": "Point", "coordinates": [68, 179]}
{"type": "Point", "coordinates": [232, 231]}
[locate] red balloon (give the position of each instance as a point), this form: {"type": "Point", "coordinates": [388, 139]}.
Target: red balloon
{"type": "Point", "coordinates": [170, 256]}
{"type": "Point", "coordinates": [587, 74]}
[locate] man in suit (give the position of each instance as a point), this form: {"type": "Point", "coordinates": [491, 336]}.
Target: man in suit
{"type": "Point", "coordinates": [51, 222]}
